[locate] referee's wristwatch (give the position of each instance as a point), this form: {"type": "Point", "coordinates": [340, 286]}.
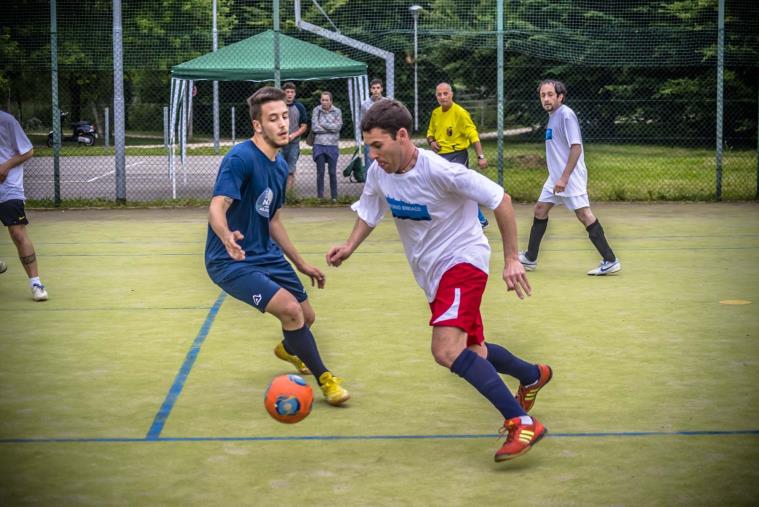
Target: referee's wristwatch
{"type": "Point", "coordinates": [481, 157]}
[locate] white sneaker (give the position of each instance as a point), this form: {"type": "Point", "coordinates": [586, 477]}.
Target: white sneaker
{"type": "Point", "coordinates": [527, 263]}
{"type": "Point", "coordinates": [606, 268]}
{"type": "Point", "coordinates": [3, 266]}
{"type": "Point", "coordinates": [39, 293]}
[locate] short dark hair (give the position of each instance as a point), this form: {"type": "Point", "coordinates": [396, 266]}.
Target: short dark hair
{"type": "Point", "coordinates": [288, 86]}
{"type": "Point", "coordinates": [561, 88]}
{"type": "Point", "coordinates": [325, 92]}
{"type": "Point", "coordinates": [375, 81]}
{"type": "Point", "coordinates": [389, 115]}
{"type": "Point", "coordinates": [261, 97]}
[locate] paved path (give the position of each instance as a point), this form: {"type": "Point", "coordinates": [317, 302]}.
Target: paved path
{"type": "Point", "coordinates": [147, 177]}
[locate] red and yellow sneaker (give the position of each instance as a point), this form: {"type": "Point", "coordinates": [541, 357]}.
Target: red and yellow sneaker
{"type": "Point", "coordinates": [526, 394]}
{"type": "Point", "coordinates": [520, 438]}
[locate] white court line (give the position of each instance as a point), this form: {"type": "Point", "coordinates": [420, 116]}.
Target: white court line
{"type": "Point", "coordinates": [96, 177]}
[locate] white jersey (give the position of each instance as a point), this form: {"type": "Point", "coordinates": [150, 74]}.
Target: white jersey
{"type": "Point", "coordinates": [562, 131]}
{"type": "Point", "coordinates": [435, 210]}
{"type": "Point", "coordinates": [13, 142]}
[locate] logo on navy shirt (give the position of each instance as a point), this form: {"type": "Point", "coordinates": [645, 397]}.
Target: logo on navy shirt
{"type": "Point", "coordinates": [263, 203]}
{"type": "Point", "coordinates": [256, 299]}
{"type": "Point", "coordinates": [407, 211]}
{"type": "Point", "coordinates": [549, 134]}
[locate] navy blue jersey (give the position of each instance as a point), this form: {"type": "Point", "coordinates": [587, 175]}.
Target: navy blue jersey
{"type": "Point", "coordinates": [257, 186]}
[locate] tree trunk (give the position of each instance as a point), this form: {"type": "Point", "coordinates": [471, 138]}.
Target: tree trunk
{"type": "Point", "coordinates": [96, 119]}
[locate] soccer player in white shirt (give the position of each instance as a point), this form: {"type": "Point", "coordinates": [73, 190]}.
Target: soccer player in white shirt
{"type": "Point", "coordinates": [15, 149]}
{"type": "Point", "coordinates": [434, 204]}
{"type": "Point", "coordinates": [567, 181]}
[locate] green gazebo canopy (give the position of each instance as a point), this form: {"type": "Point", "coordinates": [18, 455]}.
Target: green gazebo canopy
{"type": "Point", "coordinates": [252, 59]}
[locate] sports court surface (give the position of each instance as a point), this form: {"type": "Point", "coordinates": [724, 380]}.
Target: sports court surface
{"type": "Point", "coordinates": [139, 383]}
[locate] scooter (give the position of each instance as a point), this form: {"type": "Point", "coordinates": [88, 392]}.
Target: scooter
{"type": "Point", "coordinates": [84, 133]}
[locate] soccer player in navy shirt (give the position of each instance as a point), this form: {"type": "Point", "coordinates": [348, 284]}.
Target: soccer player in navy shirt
{"type": "Point", "coordinates": [247, 242]}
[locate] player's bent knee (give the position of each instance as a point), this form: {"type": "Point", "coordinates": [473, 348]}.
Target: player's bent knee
{"type": "Point", "coordinates": [293, 312]}
{"type": "Point", "coordinates": [541, 210]}
{"type": "Point", "coordinates": [17, 233]}
{"type": "Point", "coordinates": [444, 356]}
{"type": "Point", "coordinates": [308, 313]}
{"type": "Point", "coordinates": [585, 216]}
{"type": "Point", "coordinates": [286, 309]}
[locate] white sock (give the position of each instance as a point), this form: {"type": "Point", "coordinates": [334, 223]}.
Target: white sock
{"type": "Point", "coordinates": [526, 419]}
{"type": "Point", "coordinates": [34, 281]}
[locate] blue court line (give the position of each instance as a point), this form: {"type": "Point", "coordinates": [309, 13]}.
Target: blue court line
{"type": "Point", "coordinates": [399, 250]}
{"type": "Point", "coordinates": [494, 247]}
{"type": "Point", "coordinates": [176, 389]}
{"type": "Point", "coordinates": [104, 309]}
{"type": "Point", "coordinates": [192, 254]}
{"type": "Point", "coordinates": [306, 438]}
{"type": "Point", "coordinates": [639, 249]}
{"type": "Point", "coordinates": [339, 239]}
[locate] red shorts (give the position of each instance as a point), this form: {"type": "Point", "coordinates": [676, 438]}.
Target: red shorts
{"type": "Point", "coordinates": [457, 301]}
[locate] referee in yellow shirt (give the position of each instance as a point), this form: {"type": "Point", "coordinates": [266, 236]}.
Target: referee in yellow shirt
{"type": "Point", "coordinates": [452, 131]}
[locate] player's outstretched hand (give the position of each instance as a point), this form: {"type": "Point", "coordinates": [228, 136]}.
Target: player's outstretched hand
{"type": "Point", "coordinates": [233, 248]}
{"type": "Point", "coordinates": [314, 274]}
{"type": "Point", "coordinates": [516, 278]}
{"type": "Point", "coordinates": [337, 254]}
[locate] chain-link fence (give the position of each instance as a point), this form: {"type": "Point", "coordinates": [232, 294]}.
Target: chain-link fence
{"type": "Point", "coordinates": [642, 77]}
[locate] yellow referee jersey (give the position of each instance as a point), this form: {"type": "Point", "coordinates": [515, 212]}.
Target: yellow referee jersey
{"type": "Point", "coordinates": [453, 130]}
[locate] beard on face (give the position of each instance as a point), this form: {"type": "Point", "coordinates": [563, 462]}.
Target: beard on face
{"type": "Point", "coordinates": [273, 141]}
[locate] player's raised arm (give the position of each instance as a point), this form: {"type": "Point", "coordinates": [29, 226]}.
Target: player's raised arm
{"type": "Point", "coordinates": [337, 254]}
{"type": "Point", "coordinates": [217, 219]}
{"type": "Point", "coordinates": [513, 271]}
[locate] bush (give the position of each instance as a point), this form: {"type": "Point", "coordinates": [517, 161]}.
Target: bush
{"type": "Point", "coordinates": [145, 117]}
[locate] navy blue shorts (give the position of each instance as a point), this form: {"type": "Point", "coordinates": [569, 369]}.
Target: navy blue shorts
{"type": "Point", "coordinates": [12, 213]}
{"type": "Point", "coordinates": [256, 285]}
{"type": "Point", "coordinates": [459, 157]}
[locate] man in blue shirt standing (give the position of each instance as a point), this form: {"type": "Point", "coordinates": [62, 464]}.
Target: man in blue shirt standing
{"type": "Point", "coordinates": [247, 242]}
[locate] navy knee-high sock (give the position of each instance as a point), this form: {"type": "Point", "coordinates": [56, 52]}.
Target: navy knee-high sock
{"type": "Point", "coordinates": [506, 362]}
{"type": "Point", "coordinates": [537, 230]}
{"type": "Point", "coordinates": [481, 374]}
{"type": "Point", "coordinates": [301, 343]}
{"type": "Point", "coordinates": [598, 238]}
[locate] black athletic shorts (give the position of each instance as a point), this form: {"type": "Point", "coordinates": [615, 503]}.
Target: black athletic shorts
{"type": "Point", "coordinates": [12, 213]}
{"type": "Point", "coordinates": [459, 157]}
